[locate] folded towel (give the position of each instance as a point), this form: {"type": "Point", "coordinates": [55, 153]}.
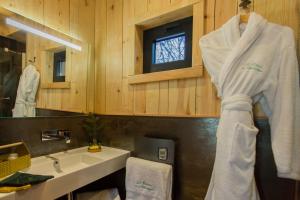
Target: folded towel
{"type": "Point", "coordinates": [109, 194]}
{"type": "Point", "coordinates": [20, 179]}
{"type": "Point", "coordinates": [148, 180]}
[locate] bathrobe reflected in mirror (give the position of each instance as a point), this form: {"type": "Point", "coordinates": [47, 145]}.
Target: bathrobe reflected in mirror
{"type": "Point", "coordinates": [27, 89]}
{"type": "Point", "coordinates": [255, 64]}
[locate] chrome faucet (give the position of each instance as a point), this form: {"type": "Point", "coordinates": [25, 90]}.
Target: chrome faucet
{"type": "Point", "coordinates": [56, 134]}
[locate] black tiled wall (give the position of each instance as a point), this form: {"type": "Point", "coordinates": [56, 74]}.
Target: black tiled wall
{"type": "Point", "coordinates": [195, 148]}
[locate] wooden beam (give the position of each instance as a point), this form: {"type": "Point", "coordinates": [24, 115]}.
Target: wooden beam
{"type": "Point", "coordinates": [167, 16]}
{"type": "Point", "coordinates": [56, 85]}
{"type": "Point", "coordinates": [191, 72]}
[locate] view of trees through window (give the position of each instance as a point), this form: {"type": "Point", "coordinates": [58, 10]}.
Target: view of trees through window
{"type": "Point", "coordinates": [168, 46]}
{"type": "Point", "coordinates": [169, 49]}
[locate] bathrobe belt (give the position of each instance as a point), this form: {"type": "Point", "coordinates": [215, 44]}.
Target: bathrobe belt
{"type": "Point", "coordinates": [238, 103]}
{"type": "Point", "coordinates": [21, 101]}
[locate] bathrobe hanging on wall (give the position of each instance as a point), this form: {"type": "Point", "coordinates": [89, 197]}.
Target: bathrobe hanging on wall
{"type": "Point", "coordinates": [28, 85]}
{"type": "Point", "coordinates": [257, 64]}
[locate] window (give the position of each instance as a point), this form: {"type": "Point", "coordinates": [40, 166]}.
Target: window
{"type": "Point", "coordinates": [168, 46]}
{"type": "Point", "coordinates": [169, 49]}
{"type": "Point", "coordinates": [59, 66]}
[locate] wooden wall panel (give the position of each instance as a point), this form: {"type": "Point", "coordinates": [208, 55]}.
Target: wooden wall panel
{"type": "Point", "coordinates": [81, 12]}
{"type": "Point", "coordinates": [57, 15]}
{"type": "Point", "coordinates": [75, 18]}
{"type": "Point", "coordinates": [100, 55]}
{"type": "Point", "coordinates": [128, 38]}
{"type": "Point", "coordinates": [224, 10]}
{"type": "Point", "coordinates": [115, 56]}
{"type": "Point", "coordinates": [189, 97]}
{"type": "Point", "coordinates": [33, 9]}
{"type": "Point", "coordinates": [152, 98]}
{"type": "Point", "coordinates": [159, 98]}
{"type": "Point", "coordinates": [140, 7]}
{"type": "Point", "coordinates": [207, 103]}
{"type": "Point", "coordinates": [128, 55]}
{"type": "Point", "coordinates": [139, 99]}
{"type": "Point", "coordinates": [198, 31]}
{"type": "Point", "coordinates": [157, 5]}
{"type": "Point", "coordinates": [182, 97]}
{"type": "Point", "coordinates": [108, 26]}
{"type": "Point", "coordinates": [163, 98]}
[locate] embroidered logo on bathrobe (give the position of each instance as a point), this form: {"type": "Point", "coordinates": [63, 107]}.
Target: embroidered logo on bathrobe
{"type": "Point", "coordinates": [253, 66]}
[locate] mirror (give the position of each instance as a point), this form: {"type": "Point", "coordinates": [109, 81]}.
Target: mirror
{"type": "Point", "coordinates": [43, 72]}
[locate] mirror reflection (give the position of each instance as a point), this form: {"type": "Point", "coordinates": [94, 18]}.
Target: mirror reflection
{"type": "Point", "coordinates": [11, 53]}
{"type": "Point", "coordinates": [37, 69]}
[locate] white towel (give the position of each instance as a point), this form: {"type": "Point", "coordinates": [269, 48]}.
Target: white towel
{"type": "Point", "coordinates": [109, 194]}
{"type": "Point", "coordinates": [147, 180]}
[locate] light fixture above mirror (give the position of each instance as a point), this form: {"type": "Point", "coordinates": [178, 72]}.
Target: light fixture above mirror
{"type": "Point", "coordinates": [40, 33]}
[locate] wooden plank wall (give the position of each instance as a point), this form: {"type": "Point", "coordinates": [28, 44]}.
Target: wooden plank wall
{"type": "Point", "coordinates": [188, 97]}
{"type": "Point", "coordinates": [72, 17]}
{"type": "Point", "coordinates": [108, 26]}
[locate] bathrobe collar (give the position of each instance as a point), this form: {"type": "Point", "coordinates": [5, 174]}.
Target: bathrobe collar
{"type": "Point", "coordinates": [231, 29]}
{"type": "Point", "coordinates": [239, 43]}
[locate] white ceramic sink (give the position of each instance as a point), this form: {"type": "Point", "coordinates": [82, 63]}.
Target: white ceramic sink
{"type": "Point", "coordinates": [71, 170]}
{"type": "Point", "coordinates": [62, 163]}
{"type": "Point", "coordinates": [76, 161]}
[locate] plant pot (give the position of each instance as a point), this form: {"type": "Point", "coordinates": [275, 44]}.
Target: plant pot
{"type": "Point", "coordinates": [94, 146]}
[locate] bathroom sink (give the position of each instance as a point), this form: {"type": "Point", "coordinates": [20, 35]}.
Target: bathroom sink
{"type": "Point", "coordinates": [77, 161]}
{"type": "Point", "coordinates": [61, 163]}
{"type": "Point", "coordinates": [71, 169]}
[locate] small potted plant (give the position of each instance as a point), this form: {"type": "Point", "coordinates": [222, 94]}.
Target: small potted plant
{"type": "Point", "coordinates": [92, 127]}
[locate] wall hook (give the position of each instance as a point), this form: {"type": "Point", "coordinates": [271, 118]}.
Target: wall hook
{"type": "Point", "coordinates": [245, 4]}
{"type": "Point", "coordinates": [32, 60]}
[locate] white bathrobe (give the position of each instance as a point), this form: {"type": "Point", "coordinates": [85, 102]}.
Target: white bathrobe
{"type": "Point", "coordinates": [27, 89]}
{"type": "Point", "coordinates": [247, 66]}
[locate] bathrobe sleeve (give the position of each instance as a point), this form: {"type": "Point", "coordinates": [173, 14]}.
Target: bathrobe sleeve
{"type": "Point", "coordinates": [34, 87]}
{"type": "Point", "coordinates": [213, 54]}
{"type": "Point", "coordinates": [34, 83]}
{"type": "Point", "coordinates": [285, 114]}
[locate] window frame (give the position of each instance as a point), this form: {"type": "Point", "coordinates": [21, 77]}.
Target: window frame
{"type": "Point", "coordinates": [57, 57]}
{"type": "Point", "coordinates": [182, 26]}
